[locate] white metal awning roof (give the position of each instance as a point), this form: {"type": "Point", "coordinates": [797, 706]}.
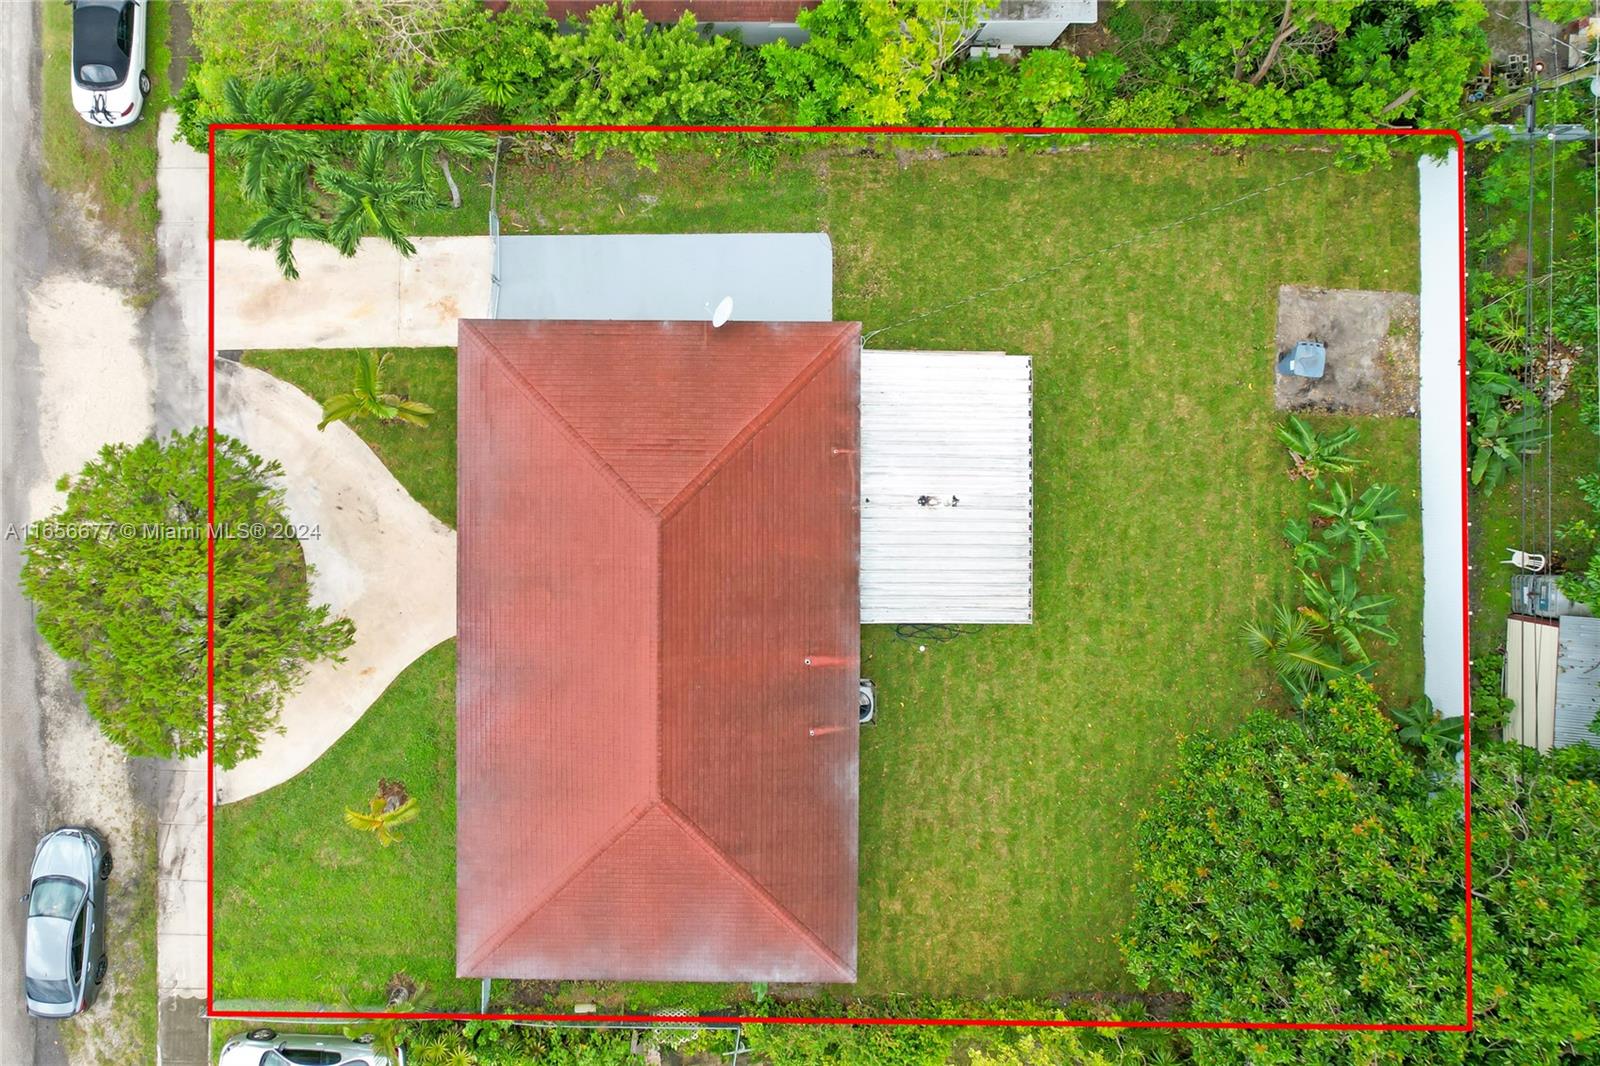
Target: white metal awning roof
{"type": "Point", "coordinates": [946, 487]}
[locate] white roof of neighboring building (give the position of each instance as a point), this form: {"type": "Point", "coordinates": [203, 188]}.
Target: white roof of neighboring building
{"type": "Point", "coordinates": [1530, 681]}
{"type": "Point", "coordinates": [946, 487]}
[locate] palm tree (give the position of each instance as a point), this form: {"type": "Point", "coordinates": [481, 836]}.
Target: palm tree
{"type": "Point", "coordinates": [388, 808]}
{"type": "Point", "coordinates": [1361, 520]}
{"type": "Point", "coordinates": [1293, 646]}
{"type": "Point", "coordinates": [1338, 609]}
{"type": "Point", "coordinates": [446, 101]}
{"type": "Point", "coordinates": [1315, 454]}
{"type": "Point", "coordinates": [265, 154]}
{"type": "Point", "coordinates": [366, 399]}
{"type": "Point", "coordinates": [370, 197]}
{"type": "Point", "coordinates": [289, 216]}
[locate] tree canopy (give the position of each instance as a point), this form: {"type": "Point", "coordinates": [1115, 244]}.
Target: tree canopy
{"type": "Point", "coordinates": [118, 575]}
{"type": "Point", "coordinates": [1316, 872]}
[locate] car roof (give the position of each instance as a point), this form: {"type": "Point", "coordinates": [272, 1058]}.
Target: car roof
{"type": "Point", "coordinates": [49, 945]}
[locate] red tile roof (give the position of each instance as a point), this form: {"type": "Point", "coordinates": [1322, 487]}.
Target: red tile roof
{"type": "Point", "coordinates": [658, 528]}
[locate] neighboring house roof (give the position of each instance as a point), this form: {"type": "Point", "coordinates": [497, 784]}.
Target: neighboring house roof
{"type": "Point", "coordinates": [658, 650]}
{"type": "Point", "coordinates": [1532, 650]}
{"type": "Point", "coordinates": [1577, 681]}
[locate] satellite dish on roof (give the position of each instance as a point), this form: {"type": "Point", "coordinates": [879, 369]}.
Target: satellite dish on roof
{"type": "Point", "coordinates": [724, 311]}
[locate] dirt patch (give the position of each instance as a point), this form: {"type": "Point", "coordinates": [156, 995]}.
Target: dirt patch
{"type": "Point", "coordinates": [1371, 340]}
{"type": "Point", "coordinates": [94, 386]}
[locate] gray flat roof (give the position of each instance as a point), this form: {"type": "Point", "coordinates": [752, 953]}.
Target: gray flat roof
{"type": "Point", "coordinates": [772, 277]}
{"type": "Point", "coordinates": [1577, 681]}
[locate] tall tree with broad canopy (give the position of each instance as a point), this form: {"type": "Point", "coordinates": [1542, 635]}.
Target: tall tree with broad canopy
{"type": "Point", "coordinates": [1316, 872]}
{"type": "Point", "coordinates": [118, 575]}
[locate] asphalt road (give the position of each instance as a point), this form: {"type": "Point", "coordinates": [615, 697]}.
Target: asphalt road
{"type": "Point", "coordinates": [24, 255]}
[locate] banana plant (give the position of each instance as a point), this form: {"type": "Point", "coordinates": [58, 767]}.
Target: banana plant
{"type": "Point", "coordinates": [1295, 648]}
{"type": "Point", "coordinates": [1338, 609]}
{"type": "Point", "coordinates": [1421, 728]}
{"type": "Point", "coordinates": [1315, 454]}
{"type": "Point", "coordinates": [366, 399]}
{"type": "Point", "coordinates": [1500, 438]}
{"type": "Point", "coordinates": [1309, 553]}
{"type": "Point", "coordinates": [1359, 521]}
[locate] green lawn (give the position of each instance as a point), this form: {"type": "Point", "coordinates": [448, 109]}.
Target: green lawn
{"type": "Point", "coordinates": [311, 911]}
{"type": "Point", "coordinates": [112, 171]}
{"type": "Point", "coordinates": [423, 459]}
{"type": "Point", "coordinates": [1000, 787]}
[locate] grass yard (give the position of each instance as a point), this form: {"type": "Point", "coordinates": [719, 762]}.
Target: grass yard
{"type": "Point", "coordinates": [113, 171]}
{"type": "Point", "coordinates": [1000, 787]}
{"type": "Point", "coordinates": [423, 459]}
{"type": "Point", "coordinates": [311, 911]}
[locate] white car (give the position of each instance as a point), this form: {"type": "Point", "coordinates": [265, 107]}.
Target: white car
{"type": "Point", "coordinates": [109, 82]}
{"type": "Point", "coordinates": [265, 1047]}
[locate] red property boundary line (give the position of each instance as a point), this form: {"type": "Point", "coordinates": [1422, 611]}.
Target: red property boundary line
{"type": "Point", "coordinates": [211, 559]}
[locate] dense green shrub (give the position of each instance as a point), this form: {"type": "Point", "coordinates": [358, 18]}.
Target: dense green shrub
{"type": "Point", "coordinates": [118, 576]}
{"type": "Point", "coordinates": [867, 62]}
{"type": "Point", "coordinates": [1315, 872]}
{"type": "Point", "coordinates": [1302, 873]}
{"type": "Point", "coordinates": [925, 1045]}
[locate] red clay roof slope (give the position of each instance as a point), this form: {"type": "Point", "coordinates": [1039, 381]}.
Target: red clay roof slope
{"type": "Point", "coordinates": [658, 529]}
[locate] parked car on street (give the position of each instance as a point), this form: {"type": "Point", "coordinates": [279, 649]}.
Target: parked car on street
{"type": "Point", "coordinates": [64, 959]}
{"type": "Point", "coordinates": [267, 1047]}
{"type": "Point", "coordinates": [109, 81]}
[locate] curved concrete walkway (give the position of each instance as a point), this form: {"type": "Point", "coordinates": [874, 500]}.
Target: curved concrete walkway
{"type": "Point", "coordinates": [380, 559]}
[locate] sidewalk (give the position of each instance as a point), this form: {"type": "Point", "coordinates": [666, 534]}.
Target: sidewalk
{"type": "Point", "coordinates": [376, 299]}
{"type": "Point", "coordinates": [183, 1034]}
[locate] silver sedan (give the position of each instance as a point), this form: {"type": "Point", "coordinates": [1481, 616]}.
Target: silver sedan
{"type": "Point", "coordinates": [64, 960]}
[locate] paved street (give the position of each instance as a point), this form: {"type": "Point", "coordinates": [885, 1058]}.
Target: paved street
{"type": "Point", "coordinates": [80, 368]}
{"type": "Point", "coordinates": [23, 252]}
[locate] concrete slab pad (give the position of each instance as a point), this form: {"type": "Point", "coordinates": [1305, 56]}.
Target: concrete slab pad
{"type": "Point", "coordinates": [1371, 339]}
{"type": "Point", "coordinates": [447, 280]}
{"type": "Point", "coordinates": [1444, 460]}
{"type": "Point", "coordinates": [374, 299]}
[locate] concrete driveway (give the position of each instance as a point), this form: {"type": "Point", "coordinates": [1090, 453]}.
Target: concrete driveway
{"type": "Point", "coordinates": [380, 559]}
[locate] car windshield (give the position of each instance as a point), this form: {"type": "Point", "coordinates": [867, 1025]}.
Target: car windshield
{"type": "Point", "coordinates": [42, 991]}
{"type": "Point", "coordinates": [54, 897]}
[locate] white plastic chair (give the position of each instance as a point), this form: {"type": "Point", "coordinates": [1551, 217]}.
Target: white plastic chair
{"type": "Point", "coordinates": [1532, 562]}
